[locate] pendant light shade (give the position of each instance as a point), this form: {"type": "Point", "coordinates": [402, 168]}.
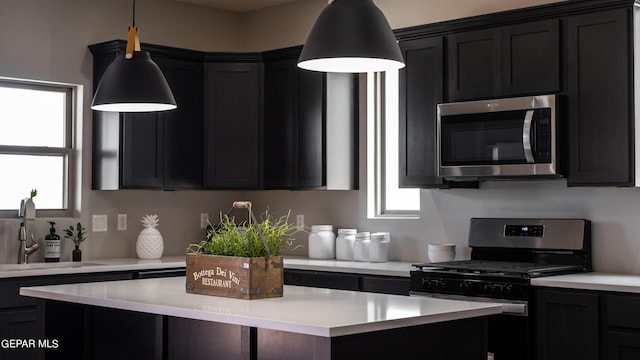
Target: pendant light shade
{"type": "Point", "coordinates": [351, 36]}
{"type": "Point", "coordinates": [133, 82]}
{"type": "Point", "coordinates": [133, 85]}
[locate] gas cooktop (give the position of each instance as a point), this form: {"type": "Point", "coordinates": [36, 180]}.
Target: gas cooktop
{"type": "Point", "coordinates": [498, 267]}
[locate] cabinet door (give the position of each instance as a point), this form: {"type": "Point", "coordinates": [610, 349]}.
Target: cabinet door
{"type": "Point", "coordinates": [420, 91]}
{"type": "Point", "coordinates": [623, 332]}
{"type": "Point", "coordinates": [567, 325]}
{"type": "Point", "coordinates": [142, 162]}
{"type": "Point", "coordinates": [233, 123]}
{"type": "Point", "coordinates": [623, 345]}
{"type": "Point", "coordinates": [183, 129]}
{"type": "Point", "coordinates": [600, 127]}
{"type": "Point", "coordinates": [531, 58]}
{"type": "Point", "coordinates": [309, 148]}
{"type": "Point", "coordinates": [19, 324]}
{"type": "Point", "coordinates": [474, 64]}
{"type": "Point", "coordinates": [279, 111]}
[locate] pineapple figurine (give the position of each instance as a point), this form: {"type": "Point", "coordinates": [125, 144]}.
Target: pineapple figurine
{"type": "Point", "coordinates": [150, 244]}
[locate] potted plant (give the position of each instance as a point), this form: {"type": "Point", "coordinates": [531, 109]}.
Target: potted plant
{"type": "Point", "coordinates": [77, 235]}
{"type": "Point", "coordinates": [240, 260]}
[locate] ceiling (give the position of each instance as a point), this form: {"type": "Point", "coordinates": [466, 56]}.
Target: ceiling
{"type": "Point", "coordinates": [238, 6]}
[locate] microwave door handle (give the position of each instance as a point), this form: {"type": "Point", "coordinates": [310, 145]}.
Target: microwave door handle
{"type": "Point", "coordinates": [526, 136]}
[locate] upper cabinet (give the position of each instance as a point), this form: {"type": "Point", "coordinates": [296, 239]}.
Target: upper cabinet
{"type": "Point", "coordinates": [421, 89]}
{"type": "Point", "coordinates": [233, 123]}
{"type": "Point", "coordinates": [162, 150]}
{"type": "Point", "coordinates": [600, 128]}
{"type": "Point", "coordinates": [581, 51]}
{"type": "Point", "coordinates": [244, 121]}
{"type": "Point", "coordinates": [511, 60]}
{"type": "Point", "coordinates": [304, 112]}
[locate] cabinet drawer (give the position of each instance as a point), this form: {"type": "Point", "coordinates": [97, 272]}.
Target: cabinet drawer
{"type": "Point", "coordinates": [329, 280]}
{"type": "Point", "coordinates": [386, 284]}
{"type": "Point", "coordinates": [623, 311]}
{"type": "Point", "coordinates": [10, 287]}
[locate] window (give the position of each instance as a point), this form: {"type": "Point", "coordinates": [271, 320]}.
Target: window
{"type": "Point", "coordinates": [384, 196]}
{"type": "Point", "coordinates": [35, 144]}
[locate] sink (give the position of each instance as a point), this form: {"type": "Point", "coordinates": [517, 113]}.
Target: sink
{"type": "Point", "coordinates": [52, 265]}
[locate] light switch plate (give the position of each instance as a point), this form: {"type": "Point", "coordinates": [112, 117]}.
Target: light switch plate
{"type": "Point", "coordinates": [122, 222]}
{"type": "Point", "coordinates": [99, 223]}
{"type": "Point", "coordinates": [204, 220]}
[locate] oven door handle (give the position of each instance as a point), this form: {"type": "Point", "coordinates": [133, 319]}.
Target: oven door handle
{"type": "Point", "coordinates": [526, 136]}
{"type": "Point", "coordinates": [509, 307]}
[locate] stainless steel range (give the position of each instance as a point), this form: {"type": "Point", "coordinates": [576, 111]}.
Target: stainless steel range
{"type": "Point", "coordinates": [505, 255]}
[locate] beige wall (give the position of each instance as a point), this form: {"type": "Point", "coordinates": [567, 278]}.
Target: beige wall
{"type": "Point", "coordinates": [47, 40]}
{"type": "Point", "coordinates": [289, 25]}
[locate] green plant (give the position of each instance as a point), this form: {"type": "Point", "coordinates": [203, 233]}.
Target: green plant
{"type": "Point", "coordinates": [76, 235]}
{"type": "Point", "coordinates": [33, 193]}
{"type": "Point", "coordinates": [231, 239]}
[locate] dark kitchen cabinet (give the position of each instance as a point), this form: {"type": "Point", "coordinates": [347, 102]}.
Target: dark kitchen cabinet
{"type": "Point", "coordinates": [233, 123]}
{"type": "Point", "coordinates": [474, 64]}
{"type": "Point", "coordinates": [294, 124]}
{"type": "Point", "coordinates": [161, 150]}
{"type": "Point", "coordinates": [421, 89]}
{"type": "Point", "coordinates": [19, 316]}
{"type": "Point", "coordinates": [599, 99]}
{"type": "Point", "coordinates": [622, 327]}
{"type": "Point", "coordinates": [396, 285]}
{"type": "Point", "coordinates": [511, 60]}
{"type": "Point", "coordinates": [567, 325]}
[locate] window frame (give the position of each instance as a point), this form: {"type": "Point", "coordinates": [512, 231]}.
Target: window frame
{"type": "Point", "coordinates": [71, 116]}
{"type": "Point", "coordinates": [376, 153]}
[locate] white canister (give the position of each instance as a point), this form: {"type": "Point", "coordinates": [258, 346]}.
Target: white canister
{"type": "Point", "coordinates": [322, 242]}
{"type": "Point", "coordinates": [344, 244]}
{"type": "Point", "coordinates": [379, 249]}
{"type": "Point", "coordinates": [361, 246]}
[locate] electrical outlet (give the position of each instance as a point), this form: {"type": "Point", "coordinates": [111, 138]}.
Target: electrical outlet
{"type": "Point", "coordinates": [99, 223]}
{"type": "Point", "coordinates": [300, 220]}
{"type": "Point", "coordinates": [204, 220]}
{"type": "Point", "coordinates": [122, 222]}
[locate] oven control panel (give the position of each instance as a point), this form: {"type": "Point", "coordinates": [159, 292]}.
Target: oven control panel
{"type": "Point", "coordinates": [524, 230]}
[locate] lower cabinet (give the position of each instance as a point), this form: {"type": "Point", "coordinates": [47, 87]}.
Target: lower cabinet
{"type": "Point", "coordinates": [623, 327]}
{"type": "Point", "coordinates": [396, 285]}
{"type": "Point", "coordinates": [20, 319]}
{"type": "Point", "coordinates": [580, 324]}
{"type": "Point", "coordinates": [567, 325]}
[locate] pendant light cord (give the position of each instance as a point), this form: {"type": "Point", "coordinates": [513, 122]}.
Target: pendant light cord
{"type": "Point", "coordinates": [133, 42]}
{"type": "Point", "coordinates": [134, 14]}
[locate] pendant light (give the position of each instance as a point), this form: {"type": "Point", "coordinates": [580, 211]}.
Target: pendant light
{"type": "Point", "coordinates": [351, 36]}
{"type": "Point", "coordinates": [133, 82]}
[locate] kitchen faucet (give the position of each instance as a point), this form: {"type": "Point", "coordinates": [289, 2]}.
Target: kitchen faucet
{"type": "Point", "coordinates": [26, 212]}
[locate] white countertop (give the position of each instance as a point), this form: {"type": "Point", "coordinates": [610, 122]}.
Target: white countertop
{"type": "Point", "coordinates": [592, 281]}
{"type": "Point", "coordinates": [305, 310]}
{"type": "Point", "coordinates": [390, 268]}
{"type": "Point", "coordinates": [89, 266]}
{"type": "Point", "coordinates": [128, 264]}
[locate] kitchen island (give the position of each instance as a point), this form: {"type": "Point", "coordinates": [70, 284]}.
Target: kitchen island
{"type": "Point", "coordinates": [160, 320]}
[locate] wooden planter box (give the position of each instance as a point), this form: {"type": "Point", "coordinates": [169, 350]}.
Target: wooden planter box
{"type": "Point", "coordinates": [235, 277]}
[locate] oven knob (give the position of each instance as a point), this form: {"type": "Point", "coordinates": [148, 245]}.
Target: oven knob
{"type": "Point", "coordinates": [428, 284]}
{"type": "Point", "coordinates": [465, 285]}
{"type": "Point", "coordinates": [441, 284]}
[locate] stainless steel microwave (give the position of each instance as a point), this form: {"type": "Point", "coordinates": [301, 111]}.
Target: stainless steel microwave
{"type": "Point", "coordinates": [510, 137]}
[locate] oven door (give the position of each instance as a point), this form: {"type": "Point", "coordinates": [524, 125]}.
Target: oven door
{"type": "Point", "coordinates": [497, 138]}
{"type": "Point", "coordinates": [509, 334]}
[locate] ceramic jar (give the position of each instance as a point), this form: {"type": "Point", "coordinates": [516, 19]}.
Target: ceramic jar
{"type": "Point", "coordinates": [322, 242]}
{"type": "Point", "coordinates": [344, 244]}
